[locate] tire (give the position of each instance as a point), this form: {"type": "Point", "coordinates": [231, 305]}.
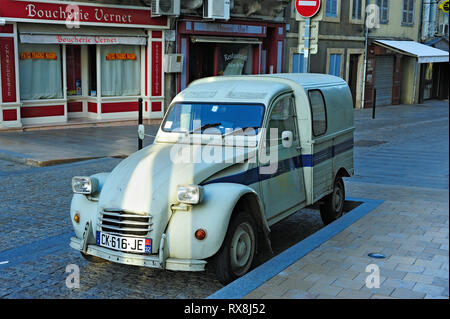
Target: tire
{"type": "Point", "coordinates": [238, 250]}
{"type": "Point", "coordinates": [333, 205]}
{"type": "Point", "coordinates": [93, 259]}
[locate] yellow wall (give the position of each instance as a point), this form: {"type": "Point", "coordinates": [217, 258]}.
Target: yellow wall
{"type": "Point", "coordinates": [394, 27]}
{"type": "Point", "coordinates": [407, 95]}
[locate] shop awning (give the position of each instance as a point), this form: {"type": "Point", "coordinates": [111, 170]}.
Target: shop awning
{"type": "Point", "coordinates": [423, 53]}
{"type": "Point", "coordinates": [58, 34]}
{"type": "Point", "coordinates": [225, 40]}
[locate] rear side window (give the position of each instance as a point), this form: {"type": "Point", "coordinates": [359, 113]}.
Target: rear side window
{"type": "Point", "coordinates": [318, 112]}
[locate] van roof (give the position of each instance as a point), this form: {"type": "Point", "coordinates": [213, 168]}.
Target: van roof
{"type": "Point", "coordinates": [253, 88]}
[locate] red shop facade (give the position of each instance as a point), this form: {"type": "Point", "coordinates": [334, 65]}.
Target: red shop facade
{"type": "Point", "coordinates": [228, 48]}
{"type": "Point", "coordinates": [61, 61]}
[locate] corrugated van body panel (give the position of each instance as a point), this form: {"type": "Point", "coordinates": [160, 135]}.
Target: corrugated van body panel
{"type": "Point", "coordinates": [322, 169]}
{"type": "Point", "coordinates": [343, 153]}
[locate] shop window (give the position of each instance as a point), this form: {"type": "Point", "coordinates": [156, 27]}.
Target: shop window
{"type": "Point", "coordinates": [235, 59]}
{"type": "Point", "coordinates": [40, 71]}
{"type": "Point", "coordinates": [120, 70]}
{"type": "Point", "coordinates": [92, 68]}
{"type": "Point", "coordinates": [209, 59]}
{"type": "Point", "coordinates": [73, 65]}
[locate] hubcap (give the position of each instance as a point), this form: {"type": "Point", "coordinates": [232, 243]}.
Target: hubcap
{"type": "Point", "coordinates": [242, 249]}
{"type": "Point", "coordinates": [338, 199]}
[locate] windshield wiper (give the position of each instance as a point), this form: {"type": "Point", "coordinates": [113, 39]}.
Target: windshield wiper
{"type": "Point", "coordinates": [239, 130]}
{"type": "Point", "coordinates": [204, 127]}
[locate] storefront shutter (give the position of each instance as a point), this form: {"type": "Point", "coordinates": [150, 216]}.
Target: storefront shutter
{"type": "Point", "coordinates": [384, 79]}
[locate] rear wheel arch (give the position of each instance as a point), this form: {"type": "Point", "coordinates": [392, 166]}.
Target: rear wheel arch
{"type": "Point", "coordinates": [342, 172]}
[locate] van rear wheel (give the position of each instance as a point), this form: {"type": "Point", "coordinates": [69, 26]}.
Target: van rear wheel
{"type": "Point", "coordinates": [333, 205]}
{"type": "Point", "coordinates": [238, 250]}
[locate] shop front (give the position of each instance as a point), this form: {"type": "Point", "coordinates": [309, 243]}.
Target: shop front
{"type": "Point", "coordinates": [63, 63]}
{"type": "Point", "coordinates": [229, 48]}
{"type": "Point", "coordinates": [405, 72]}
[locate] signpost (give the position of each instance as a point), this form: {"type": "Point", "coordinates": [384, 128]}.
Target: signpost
{"type": "Point", "coordinates": [307, 9]}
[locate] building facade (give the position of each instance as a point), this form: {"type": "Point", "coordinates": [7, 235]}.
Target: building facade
{"type": "Point", "coordinates": [251, 40]}
{"type": "Point", "coordinates": [67, 60]}
{"type": "Point", "coordinates": [399, 67]}
{"type": "Point", "coordinates": [336, 43]}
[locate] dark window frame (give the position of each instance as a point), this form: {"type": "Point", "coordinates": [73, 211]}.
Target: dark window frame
{"type": "Point", "coordinates": [312, 112]}
{"type": "Point", "coordinates": [358, 14]}
{"type": "Point", "coordinates": [383, 5]}
{"type": "Point", "coordinates": [409, 11]}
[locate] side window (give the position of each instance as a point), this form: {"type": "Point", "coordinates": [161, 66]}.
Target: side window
{"type": "Point", "coordinates": [282, 118]}
{"type": "Point", "coordinates": [318, 112]}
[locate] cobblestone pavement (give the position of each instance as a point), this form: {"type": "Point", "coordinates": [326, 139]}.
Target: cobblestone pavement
{"type": "Point", "coordinates": [34, 241]}
{"type": "Point", "coordinates": [402, 148]}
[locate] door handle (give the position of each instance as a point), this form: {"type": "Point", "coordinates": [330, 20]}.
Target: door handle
{"type": "Point", "coordinates": [299, 148]}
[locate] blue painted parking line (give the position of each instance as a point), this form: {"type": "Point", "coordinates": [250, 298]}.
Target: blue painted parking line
{"type": "Point", "coordinates": [246, 284]}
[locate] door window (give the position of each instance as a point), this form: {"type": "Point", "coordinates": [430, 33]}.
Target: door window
{"type": "Point", "coordinates": [282, 118]}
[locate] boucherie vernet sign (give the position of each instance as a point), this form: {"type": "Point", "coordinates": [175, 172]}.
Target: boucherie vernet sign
{"type": "Point", "coordinates": [83, 13]}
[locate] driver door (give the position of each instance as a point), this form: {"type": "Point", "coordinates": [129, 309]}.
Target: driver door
{"type": "Point", "coordinates": [281, 180]}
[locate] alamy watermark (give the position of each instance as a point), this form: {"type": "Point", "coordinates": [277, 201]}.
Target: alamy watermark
{"type": "Point", "coordinates": [73, 16]}
{"type": "Point", "coordinates": [73, 279]}
{"type": "Point", "coordinates": [214, 147]}
{"type": "Point", "coordinates": [373, 279]}
{"type": "Point", "coordinates": [372, 16]}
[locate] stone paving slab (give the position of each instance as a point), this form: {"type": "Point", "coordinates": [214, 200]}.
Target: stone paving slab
{"type": "Point", "coordinates": [51, 147]}
{"type": "Point", "coordinates": [414, 268]}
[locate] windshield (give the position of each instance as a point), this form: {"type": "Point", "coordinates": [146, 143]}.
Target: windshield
{"type": "Point", "coordinates": [239, 119]}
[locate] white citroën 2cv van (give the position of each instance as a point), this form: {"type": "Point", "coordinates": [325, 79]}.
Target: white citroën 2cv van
{"type": "Point", "coordinates": [269, 145]}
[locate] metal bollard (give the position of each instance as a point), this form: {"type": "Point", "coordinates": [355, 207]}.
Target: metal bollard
{"type": "Point", "coordinates": [140, 122]}
{"type": "Point", "coordinates": [374, 102]}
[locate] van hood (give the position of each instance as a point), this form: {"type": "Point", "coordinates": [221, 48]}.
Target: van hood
{"type": "Point", "coordinates": [146, 182]}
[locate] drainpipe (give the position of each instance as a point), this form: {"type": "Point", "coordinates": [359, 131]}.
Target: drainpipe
{"type": "Point", "coordinates": [424, 20]}
{"type": "Point", "coordinates": [363, 93]}
{"type": "Point", "coordinates": [366, 40]}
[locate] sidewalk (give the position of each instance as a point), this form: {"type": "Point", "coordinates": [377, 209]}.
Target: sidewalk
{"type": "Point", "coordinates": [401, 175]}
{"type": "Point", "coordinates": [51, 147]}
{"type": "Point", "coordinates": [401, 159]}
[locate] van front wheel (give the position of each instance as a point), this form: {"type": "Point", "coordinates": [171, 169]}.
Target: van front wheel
{"type": "Point", "coordinates": [333, 204]}
{"type": "Point", "coordinates": [238, 249]}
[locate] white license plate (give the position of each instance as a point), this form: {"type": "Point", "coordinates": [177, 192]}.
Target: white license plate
{"type": "Point", "coordinates": [128, 244]}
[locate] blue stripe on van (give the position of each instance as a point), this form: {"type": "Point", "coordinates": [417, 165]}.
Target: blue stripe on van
{"type": "Point", "coordinates": [308, 160]}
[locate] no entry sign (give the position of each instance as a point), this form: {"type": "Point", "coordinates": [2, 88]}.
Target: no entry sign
{"type": "Point", "coordinates": [307, 8]}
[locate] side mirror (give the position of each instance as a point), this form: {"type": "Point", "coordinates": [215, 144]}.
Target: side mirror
{"type": "Point", "coordinates": [287, 137]}
{"type": "Point", "coordinates": [141, 131]}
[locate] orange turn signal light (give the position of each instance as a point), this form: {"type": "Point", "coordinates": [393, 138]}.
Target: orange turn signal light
{"type": "Point", "coordinates": [200, 234]}
{"type": "Point", "coordinates": [76, 218]}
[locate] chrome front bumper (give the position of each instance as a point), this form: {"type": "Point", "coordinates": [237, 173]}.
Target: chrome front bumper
{"type": "Point", "coordinates": [152, 261]}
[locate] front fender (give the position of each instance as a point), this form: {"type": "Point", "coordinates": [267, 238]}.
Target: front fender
{"type": "Point", "coordinates": [86, 208]}
{"type": "Point", "coordinates": [212, 215]}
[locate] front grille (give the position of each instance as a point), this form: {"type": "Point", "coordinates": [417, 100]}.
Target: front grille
{"type": "Point", "coordinates": [125, 224]}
